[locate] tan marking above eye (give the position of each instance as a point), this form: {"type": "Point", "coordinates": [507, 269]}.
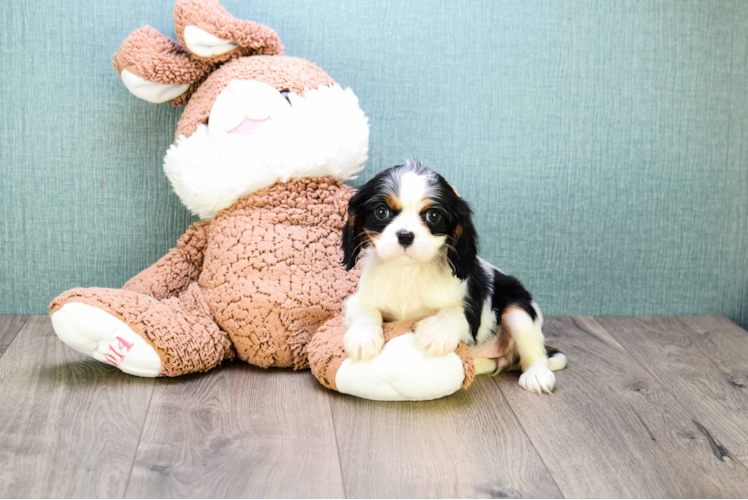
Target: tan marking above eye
{"type": "Point", "coordinates": [393, 202]}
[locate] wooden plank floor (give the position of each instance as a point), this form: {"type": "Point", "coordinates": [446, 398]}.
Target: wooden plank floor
{"type": "Point", "coordinates": [649, 407]}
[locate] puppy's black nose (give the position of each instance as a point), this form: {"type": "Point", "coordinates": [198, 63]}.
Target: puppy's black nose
{"type": "Point", "coordinates": [405, 238]}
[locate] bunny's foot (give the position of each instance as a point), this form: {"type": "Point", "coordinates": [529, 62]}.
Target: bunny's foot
{"type": "Point", "coordinates": [139, 334]}
{"type": "Point", "coordinates": [104, 337]}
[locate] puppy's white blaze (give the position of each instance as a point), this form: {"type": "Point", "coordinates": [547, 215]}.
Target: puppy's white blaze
{"type": "Point", "coordinates": [414, 190]}
{"type": "Point", "coordinates": [408, 183]}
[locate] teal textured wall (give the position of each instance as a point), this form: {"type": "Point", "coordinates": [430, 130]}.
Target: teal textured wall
{"type": "Point", "coordinates": [603, 144]}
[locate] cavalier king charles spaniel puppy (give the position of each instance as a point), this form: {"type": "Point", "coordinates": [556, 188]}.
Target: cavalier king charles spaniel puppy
{"type": "Point", "coordinates": [420, 262]}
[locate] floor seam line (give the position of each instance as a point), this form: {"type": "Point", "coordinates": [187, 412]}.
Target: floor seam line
{"type": "Point", "coordinates": [140, 438]}
{"type": "Point", "coordinates": [337, 445]}
{"type": "Point", "coordinates": [537, 452]}
{"type": "Point", "coordinates": [15, 336]}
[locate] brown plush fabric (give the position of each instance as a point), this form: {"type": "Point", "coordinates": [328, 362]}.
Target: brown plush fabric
{"type": "Point", "coordinates": [268, 276]}
{"type": "Point", "coordinates": [272, 271]}
{"type": "Point", "coordinates": [283, 73]}
{"type": "Point", "coordinates": [180, 329]}
{"type": "Point", "coordinates": [326, 352]}
{"type": "Point", "coordinates": [265, 271]}
{"type": "Point", "coordinates": [210, 16]}
{"type": "Point", "coordinates": [466, 356]}
{"type": "Point", "coordinates": [177, 269]}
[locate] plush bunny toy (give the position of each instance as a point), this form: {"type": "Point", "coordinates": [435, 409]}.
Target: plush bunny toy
{"type": "Point", "coordinates": [261, 151]}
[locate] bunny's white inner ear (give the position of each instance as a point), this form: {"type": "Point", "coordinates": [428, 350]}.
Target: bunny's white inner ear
{"type": "Point", "coordinates": [151, 91]}
{"type": "Point", "coordinates": [203, 44]}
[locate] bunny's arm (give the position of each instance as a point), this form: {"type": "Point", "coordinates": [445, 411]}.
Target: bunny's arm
{"type": "Point", "coordinates": [175, 270]}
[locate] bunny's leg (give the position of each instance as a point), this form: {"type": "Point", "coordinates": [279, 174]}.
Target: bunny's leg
{"type": "Point", "coordinates": [141, 335]}
{"type": "Point", "coordinates": [400, 372]}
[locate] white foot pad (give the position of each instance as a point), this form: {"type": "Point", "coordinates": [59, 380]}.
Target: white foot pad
{"type": "Point", "coordinates": [401, 372]}
{"type": "Point", "coordinates": [98, 334]}
{"type": "Point", "coordinates": [537, 378]}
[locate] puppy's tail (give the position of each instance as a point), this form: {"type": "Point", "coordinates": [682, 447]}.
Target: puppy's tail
{"type": "Point", "coordinates": [556, 359]}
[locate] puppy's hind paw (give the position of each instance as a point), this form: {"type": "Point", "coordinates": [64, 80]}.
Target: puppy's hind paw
{"type": "Point", "coordinates": [538, 378]}
{"type": "Point", "coordinates": [363, 342]}
{"type": "Point", "coordinates": [434, 337]}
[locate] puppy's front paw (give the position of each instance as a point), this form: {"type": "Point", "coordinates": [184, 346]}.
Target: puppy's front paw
{"type": "Point", "coordinates": [363, 342]}
{"type": "Point", "coordinates": [537, 378]}
{"type": "Point", "coordinates": [434, 337]}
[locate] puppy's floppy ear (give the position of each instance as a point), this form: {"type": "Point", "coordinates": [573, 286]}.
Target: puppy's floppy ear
{"type": "Point", "coordinates": [353, 232]}
{"type": "Point", "coordinates": [463, 252]}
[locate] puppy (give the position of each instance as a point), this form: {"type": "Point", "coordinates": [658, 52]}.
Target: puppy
{"type": "Point", "coordinates": [419, 249]}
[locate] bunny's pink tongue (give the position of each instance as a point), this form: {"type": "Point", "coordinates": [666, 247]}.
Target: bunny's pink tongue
{"type": "Point", "coordinates": [248, 127]}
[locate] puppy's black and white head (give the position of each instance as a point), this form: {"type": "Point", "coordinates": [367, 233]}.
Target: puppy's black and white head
{"type": "Point", "coordinates": [409, 213]}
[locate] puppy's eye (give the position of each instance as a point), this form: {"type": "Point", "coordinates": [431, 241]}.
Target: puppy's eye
{"type": "Point", "coordinates": [382, 212]}
{"type": "Point", "coordinates": [285, 95]}
{"type": "Point", "coordinates": [433, 216]}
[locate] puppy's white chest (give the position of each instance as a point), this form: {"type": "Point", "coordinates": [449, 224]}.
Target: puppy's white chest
{"type": "Point", "coordinates": [409, 291]}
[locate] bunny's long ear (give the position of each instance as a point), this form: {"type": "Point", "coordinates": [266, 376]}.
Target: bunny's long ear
{"type": "Point", "coordinates": [156, 68]}
{"type": "Point", "coordinates": [209, 32]}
